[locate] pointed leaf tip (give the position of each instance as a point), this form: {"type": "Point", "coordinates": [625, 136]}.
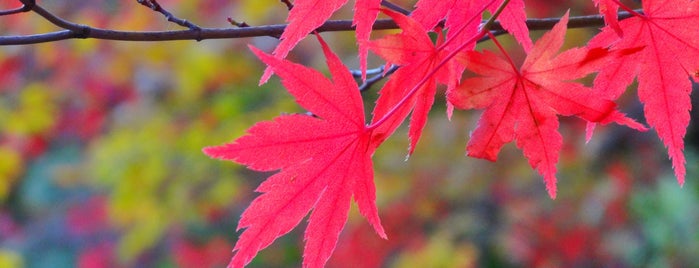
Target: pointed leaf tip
{"type": "Point", "coordinates": [589, 130]}
{"type": "Point", "coordinates": [208, 151]}
{"type": "Point", "coordinates": [268, 69]}
{"type": "Point", "coordinates": [265, 76]}
{"type": "Point", "coordinates": [552, 193]}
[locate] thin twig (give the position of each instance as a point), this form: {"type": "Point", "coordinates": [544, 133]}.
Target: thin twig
{"type": "Point", "coordinates": [376, 78]}
{"type": "Point", "coordinates": [13, 11]}
{"type": "Point", "coordinates": [77, 30]}
{"type": "Point", "coordinates": [27, 5]}
{"type": "Point", "coordinates": [243, 24]}
{"type": "Point", "coordinates": [358, 73]}
{"type": "Point", "coordinates": [236, 23]}
{"type": "Point", "coordinates": [288, 4]}
{"type": "Point", "coordinates": [395, 7]}
{"type": "Point", "coordinates": [155, 6]}
{"type": "Point", "coordinates": [82, 31]}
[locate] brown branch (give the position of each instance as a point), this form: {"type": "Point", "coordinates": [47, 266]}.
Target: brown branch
{"type": "Point", "coordinates": [155, 6]}
{"type": "Point", "coordinates": [27, 6]}
{"type": "Point", "coordinates": [395, 7]}
{"type": "Point", "coordinates": [77, 30]}
{"type": "Point", "coordinates": [376, 78]}
{"type": "Point", "coordinates": [74, 30]}
{"type": "Point", "coordinates": [288, 4]}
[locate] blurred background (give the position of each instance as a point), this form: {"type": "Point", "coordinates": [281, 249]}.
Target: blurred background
{"type": "Point", "coordinates": [101, 163]}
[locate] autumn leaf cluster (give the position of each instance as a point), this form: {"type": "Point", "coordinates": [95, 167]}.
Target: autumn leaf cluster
{"type": "Point", "coordinates": [324, 159]}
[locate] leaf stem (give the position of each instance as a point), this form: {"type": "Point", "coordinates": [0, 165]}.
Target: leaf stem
{"type": "Point", "coordinates": [443, 45]}
{"type": "Point", "coordinates": [484, 29]}
{"type": "Point", "coordinates": [504, 52]}
{"type": "Point", "coordinates": [631, 11]}
{"type": "Point", "coordinates": [495, 15]}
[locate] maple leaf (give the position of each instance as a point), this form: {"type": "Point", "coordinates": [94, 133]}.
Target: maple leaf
{"type": "Point", "coordinates": [365, 13]}
{"type": "Point", "coordinates": [608, 9]}
{"type": "Point", "coordinates": [324, 161]}
{"type": "Point", "coordinates": [307, 15]}
{"type": "Point", "coordinates": [669, 33]}
{"type": "Point", "coordinates": [417, 56]}
{"type": "Point", "coordinates": [522, 104]}
{"type": "Point", "coordinates": [458, 16]}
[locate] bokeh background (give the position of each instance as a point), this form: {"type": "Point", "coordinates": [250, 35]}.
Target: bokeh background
{"type": "Point", "coordinates": [101, 163]}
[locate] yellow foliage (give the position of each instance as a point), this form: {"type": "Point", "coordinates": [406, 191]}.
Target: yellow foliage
{"type": "Point", "coordinates": [10, 167]}
{"type": "Point", "coordinates": [9, 259]}
{"type": "Point", "coordinates": [258, 11]}
{"type": "Point", "coordinates": [157, 175]}
{"type": "Point", "coordinates": [35, 112]}
{"type": "Point", "coordinates": [440, 252]}
{"type": "Point", "coordinates": [193, 70]}
{"type": "Point", "coordinates": [141, 237]}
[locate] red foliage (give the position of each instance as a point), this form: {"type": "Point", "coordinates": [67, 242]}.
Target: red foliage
{"type": "Point", "coordinates": [214, 253]}
{"type": "Point", "coordinates": [414, 52]}
{"type": "Point", "coordinates": [97, 257]}
{"type": "Point", "coordinates": [522, 103]}
{"type": "Point", "coordinates": [668, 33]}
{"type": "Point", "coordinates": [89, 217]}
{"type": "Point", "coordinates": [324, 160]}
{"type": "Point", "coordinates": [459, 18]}
{"type": "Point", "coordinates": [398, 219]}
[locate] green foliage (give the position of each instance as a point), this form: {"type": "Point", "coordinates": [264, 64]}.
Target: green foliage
{"type": "Point", "coordinates": [668, 218]}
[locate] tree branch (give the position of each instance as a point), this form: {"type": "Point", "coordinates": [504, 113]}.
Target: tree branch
{"type": "Point", "coordinates": [376, 77]}
{"type": "Point", "coordinates": [395, 7]}
{"type": "Point", "coordinates": [155, 6]}
{"type": "Point", "coordinates": [77, 30]}
{"type": "Point", "coordinates": [288, 4]}
{"type": "Point", "coordinates": [74, 30]}
{"type": "Point", "coordinates": [26, 6]}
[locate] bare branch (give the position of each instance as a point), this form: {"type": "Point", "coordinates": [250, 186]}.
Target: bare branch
{"type": "Point", "coordinates": [13, 11]}
{"type": "Point", "coordinates": [358, 73]}
{"type": "Point", "coordinates": [395, 7]}
{"type": "Point", "coordinates": [82, 31]}
{"type": "Point", "coordinates": [240, 24]}
{"type": "Point", "coordinates": [27, 5]}
{"type": "Point", "coordinates": [77, 30]}
{"type": "Point", "coordinates": [288, 4]}
{"type": "Point", "coordinates": [155, 6]}
{"type": "Point", "coordinates": [205, 33]}
{"type": "Point", "coordinates": [377, 77]}
{"type": "Point", "coordinates": [245, 25]}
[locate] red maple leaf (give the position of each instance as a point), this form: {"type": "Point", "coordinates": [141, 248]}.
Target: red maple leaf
{"type": "Point", "coordinates": [365, 13]}
{"type": "Point", "coordinates": [608, 9]}
{"type": "Point", "coordinates": [458, 16]}
{"type": "Point", "coordinates": [324, 161]}
{"type": "Point", "coordinates": [669, 33]}
{"type": "Point", "coordinates": [522, 104]}
{"type": "Point", "coordinates": [307, 15]}
{"type": "Point", "coordinates": [419, 59]}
